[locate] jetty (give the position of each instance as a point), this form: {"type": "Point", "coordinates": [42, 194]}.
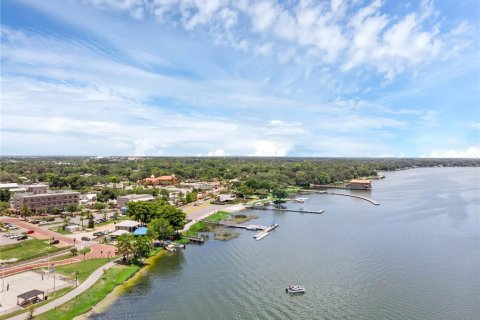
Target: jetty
{"type": "Point", "coordinates": [356, 196]}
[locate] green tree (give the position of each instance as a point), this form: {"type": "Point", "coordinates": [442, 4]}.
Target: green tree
{"type": "Point", "coordinates": [5, 195]}
{"type": "Point", "coordinates": [4, 206]}
{"type": "Point", "coordinates": [99, 206]}
{"type": "Point", "coordinates": [160, 228]}
{"type": "Point", "coordinates": [72, 208]}
{"type": "Point", "coordinates": [125, 245]}
{"type": "Point", "coordinates": [25, 211]}
{"type": "Point", "coordinates": [82, 217]}
{"type": "Point", "coordinates": [279, 193]}
{"type": "Point", "coordinates": [74, 251]}
{"type": "Point", "coordinates": [191, 197]}
{"type": "Point", "coordinates": [141, 248]}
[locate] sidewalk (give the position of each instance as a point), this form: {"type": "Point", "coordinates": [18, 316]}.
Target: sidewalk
{"type": "Point", "coordinates": [69, 296]}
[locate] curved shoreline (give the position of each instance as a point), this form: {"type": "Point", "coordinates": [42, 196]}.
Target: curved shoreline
{"type": "Point", "coordinates": [110, 298]}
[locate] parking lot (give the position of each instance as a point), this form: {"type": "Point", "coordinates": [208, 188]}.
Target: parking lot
{"type": "Point", "coordinates": [25, 281]}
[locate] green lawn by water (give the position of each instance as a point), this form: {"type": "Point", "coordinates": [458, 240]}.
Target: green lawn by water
{"type": "Point", "coordinates": [219, 215]}
{"type": "Point", "coordinates": [84, 268]}
{"type": "Point", "coordinates": [84, 302]}
{"type": "Point", "coordinates": [28, 249]}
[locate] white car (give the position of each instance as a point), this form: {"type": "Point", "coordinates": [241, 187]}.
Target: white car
{"type": "Point", "coordinates": [13, 227]}
{"type": "Point", "coordinates": [42, 223]}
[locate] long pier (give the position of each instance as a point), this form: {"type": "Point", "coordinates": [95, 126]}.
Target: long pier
{"type": "Point", "coordinates": [355, 196]}
{"type": "Point", "coordinates": [341, 194]}
{"type": "Point", "coordinates": [286, 210]}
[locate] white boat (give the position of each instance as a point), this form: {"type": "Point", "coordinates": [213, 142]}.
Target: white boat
{"type": "Point", "coordinates": [301, 200]}
{"type": "Point", "coordinates": [295, 289]}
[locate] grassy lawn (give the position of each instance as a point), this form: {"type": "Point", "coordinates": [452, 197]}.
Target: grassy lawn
{"type": "Point", "coordinates": [92, 296]}
{"type": "Point", "coordinates": [219, 215]}
{"type": "Point", "coordinates": [293, 189]}
{"type": "Point", "coordinates": [28, 249]}
{"type": "Point", "coordinates": [69, 255]}
{"type": "Point", "coordinates": [85, 268]}
{"type": "Point", "coordinates": [195, 229]}
{"type": "Point", "coordinates": [60, 230]}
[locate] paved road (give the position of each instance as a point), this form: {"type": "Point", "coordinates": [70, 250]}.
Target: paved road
{"type": "Point", "coordinates": [69, 296]}
{"type": "Point", "coordinates": [39, 231]}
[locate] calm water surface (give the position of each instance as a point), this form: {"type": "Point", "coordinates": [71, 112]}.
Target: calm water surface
{"type": "Point", "coordinates": [416, 256]}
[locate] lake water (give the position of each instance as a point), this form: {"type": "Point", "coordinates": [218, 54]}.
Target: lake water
{"type": "Point", "coordinates": [416, 256]}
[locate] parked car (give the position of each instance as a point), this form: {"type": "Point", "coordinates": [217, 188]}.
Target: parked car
{"type": "Point", "coordinates": [54, 241]}
{"type": "Point", "coordinates": [42, 223]}
{"type": "Point", "coordinates": [24, 237]}
{"type": "Point", "coordinates": [35, 221]}
{"type": "Point", "coordinates": [98, 234]}
{"type": "Point", "coordinates": [15, 236]}
{"type": "Point", "coordinates": [13, 227]}
{"type": "Point", "coordinates": [85, 239]}
{"type": "Point", "coordinates": [29, 232]}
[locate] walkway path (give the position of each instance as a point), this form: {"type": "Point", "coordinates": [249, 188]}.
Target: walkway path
{"type": "Point", "coordinates": [69, 296]}
{"type": "Point", "coordinates": [96, 251]}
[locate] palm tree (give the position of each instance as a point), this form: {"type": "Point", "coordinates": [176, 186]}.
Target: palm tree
{"type": "Point", "coordinates": [25, 211]}
{"type": "Point", "coordinates": [82, 217]}
{"type": "Point", "coordinates": [125, 245]}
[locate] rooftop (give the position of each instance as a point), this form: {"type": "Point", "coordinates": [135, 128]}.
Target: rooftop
{"type": "Point", "coordinates": [142, 231]}
{"type": "Point", "coordinates": [128, 224]}
{"type": "Point", "coordinates": [361, 181]}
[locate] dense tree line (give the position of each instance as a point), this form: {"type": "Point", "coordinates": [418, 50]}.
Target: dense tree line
{"type": "Point", "coordinates": [258, 174]}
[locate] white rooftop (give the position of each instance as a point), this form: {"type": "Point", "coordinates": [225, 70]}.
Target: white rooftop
{"type": "Point", "coordinates": [8, 185]}
{"type": "Point", "coordinates": [128, 224]}
{"type": "Point", "coordinates": [118, 233]}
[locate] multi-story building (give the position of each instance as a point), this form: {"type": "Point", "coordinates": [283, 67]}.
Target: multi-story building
{"type": "Point", "coordinates": [162, 180]}
{"type": "Point", "coordinates": [122, 201]}
{"type": "Point", "coordinates": [38, 197]}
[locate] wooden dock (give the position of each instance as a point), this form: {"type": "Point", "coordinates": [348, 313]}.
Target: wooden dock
{"type": "Point", "coordinates": [286, 210]}
{"type": "Point", "coordinates": [194, 239]}
{"type": "Point", "coordinates": [266, 232]}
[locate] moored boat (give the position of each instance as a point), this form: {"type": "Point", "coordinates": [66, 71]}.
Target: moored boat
{"type": "Point", "coordinates": [295, 289]}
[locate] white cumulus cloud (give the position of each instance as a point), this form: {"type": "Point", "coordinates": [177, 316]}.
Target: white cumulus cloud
{"type": "Point", "coordinates": [471, 152]}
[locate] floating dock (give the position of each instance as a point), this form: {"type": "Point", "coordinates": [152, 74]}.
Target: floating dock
{"type": "Point", "coordinates": [264, 233]}
{"type": "Point", "coordinates": [261, 235]}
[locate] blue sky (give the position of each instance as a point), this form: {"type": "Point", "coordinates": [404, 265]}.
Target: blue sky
{"type": "Point", "coordinates": [240, 78]}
